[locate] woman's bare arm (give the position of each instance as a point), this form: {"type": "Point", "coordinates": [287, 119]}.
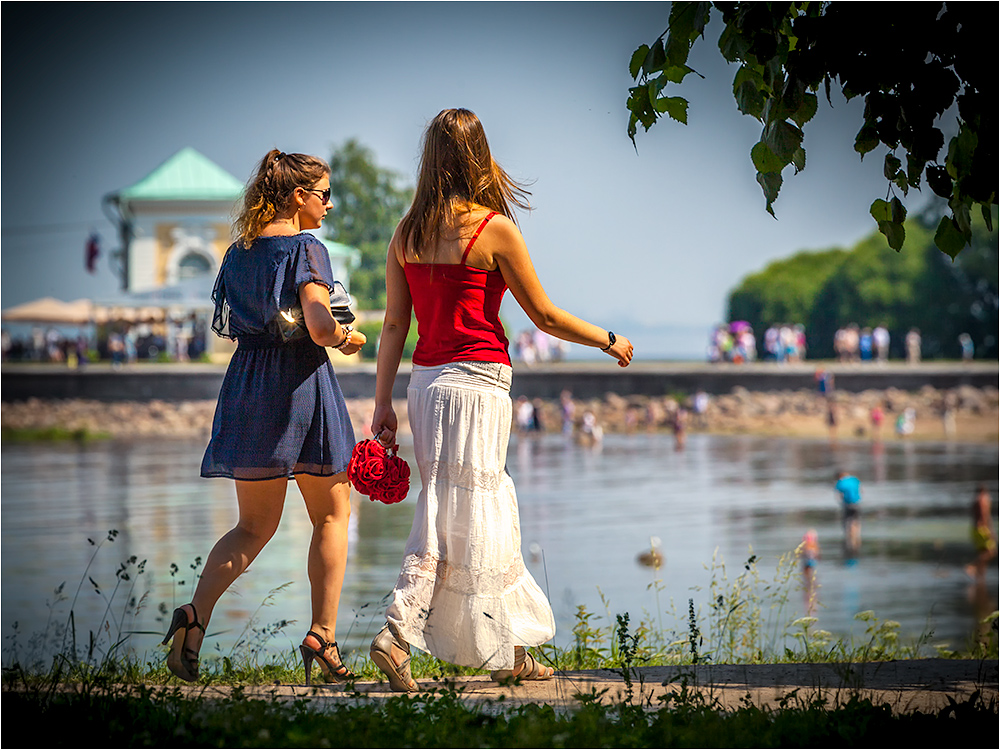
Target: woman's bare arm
{"type": "Point", "coordinates": [395, 327]}
{"type": "Point", "coordinates": [511, 255]}
{"type": "Point", "coordinates": [322, 326]}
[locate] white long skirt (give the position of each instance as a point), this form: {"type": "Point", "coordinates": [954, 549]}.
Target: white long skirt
{"type": "Point", "coordinates": [464, 594]}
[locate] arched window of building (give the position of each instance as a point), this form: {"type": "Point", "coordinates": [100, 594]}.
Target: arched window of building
{"type": "Point", "coordinates": [192, 265]}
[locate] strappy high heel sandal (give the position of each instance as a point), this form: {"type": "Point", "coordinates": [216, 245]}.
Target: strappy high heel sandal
{"type": "Point", "coordinates": [400, 679]}
{"type": "Point", "coordinates": [181, 660]}
{"type": "Point", "coordinates": [330, 665]}
{"type": "Point", "coordinates": [525, 668]}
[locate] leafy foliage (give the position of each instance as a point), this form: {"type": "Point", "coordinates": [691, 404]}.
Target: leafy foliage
{"type": "Point", "coordinates": [871, 284]}
{"type": "Point", "coordinates": [368, 202]}
{"type": "Point", "coordinates": [148, 717]}
{"type": "Point", "coordinates": [914, 65]}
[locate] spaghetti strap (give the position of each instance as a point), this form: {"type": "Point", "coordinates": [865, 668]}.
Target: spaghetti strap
{"type": "Point", "coordinates": [475, 237]}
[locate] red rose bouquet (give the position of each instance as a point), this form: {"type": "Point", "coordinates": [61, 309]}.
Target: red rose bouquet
{"type": "Point", "coordinates": [378, 472]}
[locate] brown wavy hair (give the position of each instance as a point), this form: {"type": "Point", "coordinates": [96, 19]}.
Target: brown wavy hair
{"type": "Point", "coordinates": [456, 164]}
{"type": "Point", "coordinates": [270, 190]}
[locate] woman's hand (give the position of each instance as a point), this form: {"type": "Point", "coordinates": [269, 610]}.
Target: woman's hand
{"type": "Point", "coordinates": [384, 424]}
{"type": "Point", "coordinates": [621, 350]}
{"type": "Point", "coordinates": [355, 340]}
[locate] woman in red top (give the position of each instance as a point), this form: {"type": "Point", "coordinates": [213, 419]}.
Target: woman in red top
{"type": "Point", "coordinates": [463, 593]}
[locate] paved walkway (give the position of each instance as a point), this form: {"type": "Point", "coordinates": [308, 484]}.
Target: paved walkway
{"type": "Point", "coordinates": [908, 686]}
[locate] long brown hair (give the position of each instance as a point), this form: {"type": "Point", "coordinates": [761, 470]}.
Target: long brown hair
{"type": "Point", "coordinates": [456, 164]}
{"type": "Point", "coordinates": [270, 190]}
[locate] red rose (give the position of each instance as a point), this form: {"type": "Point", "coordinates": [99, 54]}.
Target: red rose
{"type": "Point", "coordinates": [367, 465]}
{"type": "Point", "coordinates": [378, 473]}
{"type": "Point", "coordinates": [396, 483]}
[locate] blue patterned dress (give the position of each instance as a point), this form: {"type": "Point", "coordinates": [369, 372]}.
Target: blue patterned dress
{"type": "Point", "coordinates": [281, 411]}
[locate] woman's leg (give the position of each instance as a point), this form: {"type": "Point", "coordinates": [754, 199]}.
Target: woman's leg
{"type": "Point", "coordinates": [328, 501]}
{"type": "Point", "coordinates": [260, 506]}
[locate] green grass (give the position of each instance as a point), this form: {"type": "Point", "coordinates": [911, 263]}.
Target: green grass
{"type": "Point", "coordinates": [102, 689]}
{"type": "Point", "coordinates": [744, 619]}
{"type": "Point", "coordinates": [149, 717]}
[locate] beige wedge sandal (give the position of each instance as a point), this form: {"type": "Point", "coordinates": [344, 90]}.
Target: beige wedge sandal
{"type": "Point", "coordinates": [525, 668]}
{"type": "Point", "coordinates": [400, 679]}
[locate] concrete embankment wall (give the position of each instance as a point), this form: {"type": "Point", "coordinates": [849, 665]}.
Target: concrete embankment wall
{"type": "Point", "coordinates": [584, 380]}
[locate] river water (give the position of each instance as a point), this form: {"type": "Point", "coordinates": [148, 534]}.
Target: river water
{"type": "Point", "coordinates": [586, 515]}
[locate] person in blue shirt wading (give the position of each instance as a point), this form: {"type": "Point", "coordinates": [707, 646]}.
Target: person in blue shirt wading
{"type": "Point", "coordinates": [849, 488]}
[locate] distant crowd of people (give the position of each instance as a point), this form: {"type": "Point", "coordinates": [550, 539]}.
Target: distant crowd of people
{"type": "Point", "coordinates": [735, 342]}
{"type": "Point", "coordinates": [44, 345]}
{"type": "Point", "coordinates": [786, 342]}
{"type": "Point", "coordinates": [532, 346]}
{"type": "Point", "coordinates": [175, 340]}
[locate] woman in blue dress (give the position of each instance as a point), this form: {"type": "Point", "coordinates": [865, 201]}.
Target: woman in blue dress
{"type": "Point", "coordinates": [281, 413]}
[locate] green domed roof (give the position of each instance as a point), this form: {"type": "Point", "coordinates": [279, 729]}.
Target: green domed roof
{"type": "Point", "coordinates": [185, 176]}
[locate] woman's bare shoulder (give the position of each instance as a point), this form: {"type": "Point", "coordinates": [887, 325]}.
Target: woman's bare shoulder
{"type": "Point", "coordinates": [504, 232]}
{"type": "Point", "coordinates": [397, 245]}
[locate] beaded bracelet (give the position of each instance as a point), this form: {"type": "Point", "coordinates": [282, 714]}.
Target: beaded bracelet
{"type": "Point", "coordinates": [348, 330]}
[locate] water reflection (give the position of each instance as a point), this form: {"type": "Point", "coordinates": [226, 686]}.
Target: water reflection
{"type": "Point", "coordinates": [585, 511]}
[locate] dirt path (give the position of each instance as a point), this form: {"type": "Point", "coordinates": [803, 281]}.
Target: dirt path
{"type": "Point", "coordinates": [908, 686]}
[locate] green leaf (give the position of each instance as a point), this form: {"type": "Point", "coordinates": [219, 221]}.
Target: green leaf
{"type": "Point", "coordinates": [676, 73]}
{"type": "Point", "coordinates": [655, 86]}
{"type": "Point", "coordinates": [880, 211]}
{"type": "Point", "coordinates": [807, 110]}
{"type": "Point", "coordinates": [765, 160]}
{"type": "Point", "coordinates": [675, 106]}
{"type": "Point", "coordinates": [897, 211]}
{"type": "Point", "coordinates": [749, 100]}
{"type": "Point", "coordinates": [748, 73]}
{"type": "Point", "coordinates": [948, 238]}
{"type": "Point", "coordinates": [987, 216]}
{"type": "Point", "coordinates": [638, 58]}
{"type": "Point", "coordinates": [732, 44]}
{"type": "Point", "coordinates": [961, 211]}
{"type": "Point", "coordinates": [961, 151]}
{"type": "Point", "coordinates": [939, 180]}
{"type": "Point", "coordinates": [640, 107]}
{"type": "Point", "coordinates": [866, 139]}
{"type": "Point", "coordinates": [656, 58]}
{"type": "Point", "coordinates": [914, 169]}
{"type": "Point", "coordinates": [894, 233]}
{"type": "Point", "coordinates": [792, 94]}
{"type": "Point", "coordinates": [689, 19]}
{"type": "Point", "coordinates": [687, 23]}
{"type": "Point", "coordinates": [783, 138]}
{"type": "Point", "coordinates": [770, 182]}
{"type": "Point", "coordinates": [632, 121]}
{"type": "Point", "coordinates": [799, 159]}
{"type": "Point", "coordinates": [891, 167]}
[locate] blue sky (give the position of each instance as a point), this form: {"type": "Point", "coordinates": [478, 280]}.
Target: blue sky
{"type": "Point", "coordinates": [95, 100]}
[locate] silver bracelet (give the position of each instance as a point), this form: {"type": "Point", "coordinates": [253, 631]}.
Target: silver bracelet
{"type": "Point", "coordinates": [347, 337]}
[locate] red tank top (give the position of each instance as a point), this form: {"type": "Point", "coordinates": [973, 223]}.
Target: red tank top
{"type": "Point", "coordinates": [458, 311]}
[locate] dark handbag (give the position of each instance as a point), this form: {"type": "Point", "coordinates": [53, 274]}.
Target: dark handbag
{"type": "Point", "coordinates": [289, 325]}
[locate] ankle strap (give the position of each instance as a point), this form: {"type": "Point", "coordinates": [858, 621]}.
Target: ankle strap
{"type": "Point", "coordinates": [197, 622]}
{"type": "Point", "coordinates": [323, 644]}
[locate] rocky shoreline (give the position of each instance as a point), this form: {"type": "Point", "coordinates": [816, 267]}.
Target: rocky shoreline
{"type": "Point", "coordinates": [966, 414]}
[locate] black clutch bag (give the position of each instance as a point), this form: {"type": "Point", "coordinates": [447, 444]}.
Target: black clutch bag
{"type": "Point", "coordinates": [289, 325]}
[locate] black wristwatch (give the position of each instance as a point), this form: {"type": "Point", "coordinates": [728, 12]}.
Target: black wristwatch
{"type": "Point", "coordinates": [611, 341]}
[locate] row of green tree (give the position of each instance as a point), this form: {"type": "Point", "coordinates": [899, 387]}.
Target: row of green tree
{"type": "Point", "coordinates": [871, 284]}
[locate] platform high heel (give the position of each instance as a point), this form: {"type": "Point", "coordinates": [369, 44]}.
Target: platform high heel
{"type": "Point", "coordinates": [181, 660]}
{"type": "Point", "coordinates": [400, 678]}
{"type": "Point", "coordinates": [330, 664]}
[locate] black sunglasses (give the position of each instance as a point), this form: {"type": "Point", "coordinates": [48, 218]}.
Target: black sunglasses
{"type": "Point", "coordinates": [323, 194]}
